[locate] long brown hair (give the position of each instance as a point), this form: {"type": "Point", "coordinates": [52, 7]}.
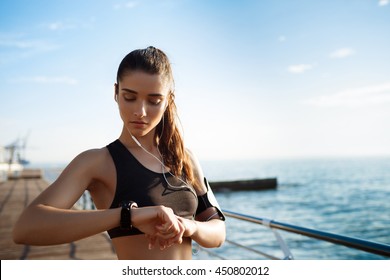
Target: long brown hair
{"type": "Point", "coordinates": [154, 61]}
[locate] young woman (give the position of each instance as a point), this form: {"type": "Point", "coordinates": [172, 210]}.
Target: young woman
{"type": "Point", "coordinates": [148, 189]}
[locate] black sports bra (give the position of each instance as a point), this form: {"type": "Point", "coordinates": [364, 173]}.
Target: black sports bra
{"type": "Point", "coordinates": [147, 188]}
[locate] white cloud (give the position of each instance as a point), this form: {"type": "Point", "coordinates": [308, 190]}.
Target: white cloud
{"type": "Point", "coordinates": [356, 97]}
{"type": "Point", "coordinates": [342, 53]}
{"type": "Point", "coordinates": [299, 68]}
{"type": "Point", "coordinates": [282, 38]}
{"type": "Point", "coordinates": [127, 5]}
{"type": "Point", "coordinates": [131, 5]}
{"type": "Point", "coordinates": [383, 2]}
{"type": "Point", "coordinates": [46, 80]}
{"type": "Point", "coordinates": [16, 47]}
{"type": "Point", "coordinates": [58, 25]}
{"type": "Point", "coordinates": [25, 44]}
{"type": "Point", "coordinates": [68, 24]}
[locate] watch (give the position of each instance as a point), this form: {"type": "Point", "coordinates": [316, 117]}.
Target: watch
{"type": "Point", "coordinates": [126, 214]}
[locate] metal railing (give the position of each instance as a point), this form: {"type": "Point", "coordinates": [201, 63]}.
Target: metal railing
{"type": "Point", "coordinates": [356, 243]}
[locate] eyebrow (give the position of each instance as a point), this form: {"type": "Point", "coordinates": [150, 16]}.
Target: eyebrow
{"type": "Point", "coordinates": [135, 92]}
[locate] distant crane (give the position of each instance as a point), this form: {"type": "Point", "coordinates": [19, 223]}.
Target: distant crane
{"type": "Point", "coordinates": [17, 151]}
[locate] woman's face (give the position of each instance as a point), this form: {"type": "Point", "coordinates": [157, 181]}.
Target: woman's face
{"type": "Point", "coordinates": [142, 99]}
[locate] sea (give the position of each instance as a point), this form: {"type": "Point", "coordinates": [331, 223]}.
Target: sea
{"type": "Point", "coordinates": [346, 196]}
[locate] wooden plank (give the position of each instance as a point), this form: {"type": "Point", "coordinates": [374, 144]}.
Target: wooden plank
{"type": "Point", "coordinates": [15, 195]}
{"type": "Point", "coordinates": [28, 173]}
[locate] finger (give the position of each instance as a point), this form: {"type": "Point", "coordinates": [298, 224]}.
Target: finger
{"type": "Point", "coordinates": [179, 236]}
{"type": "Point", "coordinates": [166, 236]}
{"type": "Point", "coordinates": [171, 239]}
{"type": "Point", "coordinates": [173, 229]}
{"type": "Point", "coordinates": [171, 232]}
{"type": "Point", "coordinates": [163, 244]}
{"type": "Point", "coordinates": [166, 243]}
{"type": "Point", "coordinates": [152, 241]}
{"type": "Point", "coordinates": [166, 227]}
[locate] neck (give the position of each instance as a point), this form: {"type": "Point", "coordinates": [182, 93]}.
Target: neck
{"type": "Point", "coordinates": [147, 145]}
{"type": "Point", "coordinates": [147, 141]}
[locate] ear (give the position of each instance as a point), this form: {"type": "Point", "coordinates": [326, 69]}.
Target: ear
{"type": "Point", "coordinates": [170, 99]}
{"type": "Point", "coordinates": [116, 92]}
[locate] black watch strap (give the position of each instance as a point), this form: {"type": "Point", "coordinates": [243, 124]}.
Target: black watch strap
{"type": "Point", "coordinates": [126, 214]}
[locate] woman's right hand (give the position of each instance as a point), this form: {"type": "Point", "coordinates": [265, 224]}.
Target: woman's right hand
{"type": "Point", "coordinates": [160, 225]}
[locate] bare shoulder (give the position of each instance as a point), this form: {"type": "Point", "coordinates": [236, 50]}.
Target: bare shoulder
{"type": "Point", "coordinates": [80, 173]}
{"type": "Point", "coordinates": [90, 162]}
{"type": "Point", "coordinates": [93, 155]}
{"type": "Point", "coordinates": [198, 173]}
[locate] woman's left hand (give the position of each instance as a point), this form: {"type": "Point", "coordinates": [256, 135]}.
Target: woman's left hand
{"type": "Point", "coordinates": [190, 226]}
{"type": "Point", "coordinates": [165, 239]}
{"type": "Point", "coordinates": [168, 230]}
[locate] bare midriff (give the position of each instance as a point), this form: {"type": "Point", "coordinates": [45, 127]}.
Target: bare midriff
{"type": "Point", "coordinates": [135, 247]}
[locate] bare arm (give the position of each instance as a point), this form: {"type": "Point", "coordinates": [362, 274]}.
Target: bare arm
{"type": "Point", "coordinates": [207, 233]}
{"type": "Point", "coordinates": [47, 225]}
{"type": "Point", "coordinates": [49, 219]}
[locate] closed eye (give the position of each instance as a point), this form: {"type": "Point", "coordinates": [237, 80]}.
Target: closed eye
{"type": "Point", "coordinates": [129, 98]}
{"type": "Point", "coordinates": [155, 101]}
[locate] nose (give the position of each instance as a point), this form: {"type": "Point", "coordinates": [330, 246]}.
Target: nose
{"type": "Point", "coordinates": [140, 110]}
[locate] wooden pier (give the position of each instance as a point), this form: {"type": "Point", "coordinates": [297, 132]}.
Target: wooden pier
{"type": "Point", "coordinates": [15, 195]}
{"type": "Point", "coordinates": [17, 192]}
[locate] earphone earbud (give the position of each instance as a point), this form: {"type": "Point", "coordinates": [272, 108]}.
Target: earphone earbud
{"type": "Point", "coordinates": [116, 92]}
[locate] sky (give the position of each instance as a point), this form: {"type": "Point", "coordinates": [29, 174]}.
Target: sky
{"type": "Point", "coordinates": [254, 79]}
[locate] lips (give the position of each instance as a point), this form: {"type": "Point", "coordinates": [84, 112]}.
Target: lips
{"type": "Point", "coordinates": [138, 124]}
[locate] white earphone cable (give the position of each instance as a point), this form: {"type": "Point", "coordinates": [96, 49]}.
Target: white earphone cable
{"type": "Point", "coordinates": [160, 161]}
